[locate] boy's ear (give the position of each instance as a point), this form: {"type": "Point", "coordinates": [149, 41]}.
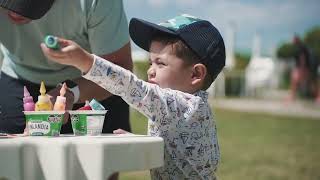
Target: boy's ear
{"type": "Point", "coordinates": [199, 72]}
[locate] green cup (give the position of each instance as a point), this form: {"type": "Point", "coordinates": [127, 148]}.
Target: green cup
{"type": "Point", "coordinates": [44, 123]}
{"type": "Point", "coordinates": [87, 122]}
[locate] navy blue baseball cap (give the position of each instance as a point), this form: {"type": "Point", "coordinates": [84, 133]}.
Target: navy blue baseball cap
{"type": "Point", "coordinates": [32, 9]}
{"type": "Point", "coordinates": [199, 35]}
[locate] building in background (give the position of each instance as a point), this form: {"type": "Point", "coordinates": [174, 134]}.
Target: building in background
{"type": "Point", "coordinates": [230, 45]}
{"type": "Point", "coordinates": [260, 74]}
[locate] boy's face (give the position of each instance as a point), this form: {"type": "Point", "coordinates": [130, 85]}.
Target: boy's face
{"type": "Point", "coordinates": [167, 70]}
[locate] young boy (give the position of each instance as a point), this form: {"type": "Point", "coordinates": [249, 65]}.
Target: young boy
{"type": "Point", "coordinates": [186, 55]}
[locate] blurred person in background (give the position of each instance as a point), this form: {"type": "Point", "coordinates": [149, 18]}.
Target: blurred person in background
{"type": "Point", "coordinates": [305, 75]}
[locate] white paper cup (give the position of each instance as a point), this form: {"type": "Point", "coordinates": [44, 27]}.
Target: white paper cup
{"type": "Point", "coordinates": [87, 122]}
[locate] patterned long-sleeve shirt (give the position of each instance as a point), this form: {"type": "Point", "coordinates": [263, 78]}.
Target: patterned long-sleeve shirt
{"type": "Point", "coordinates": [183, 120]}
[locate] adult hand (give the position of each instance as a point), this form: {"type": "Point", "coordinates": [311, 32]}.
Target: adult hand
{"type": "Point", "coordinates": [69, 100]}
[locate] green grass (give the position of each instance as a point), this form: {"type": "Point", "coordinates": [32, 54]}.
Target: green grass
{"type": "Point", "coordinates": [258, 146]}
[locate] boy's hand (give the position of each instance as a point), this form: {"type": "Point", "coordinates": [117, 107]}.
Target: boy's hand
{"type": "Point", "coordinates": [70, 53]}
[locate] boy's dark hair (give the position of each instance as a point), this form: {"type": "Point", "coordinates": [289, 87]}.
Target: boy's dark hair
{"type": "Point", "coordinates": [200, 36]}
{"type": "Point", "coordinates": [182, 51]}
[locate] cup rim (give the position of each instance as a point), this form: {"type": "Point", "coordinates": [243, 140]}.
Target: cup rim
{"type": "Point", "coordinates": [88, 112]}
{"type": "Point", "coordinates": [43, 112]}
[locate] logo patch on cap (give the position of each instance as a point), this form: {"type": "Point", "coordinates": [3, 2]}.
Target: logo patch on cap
{"type": "Point", "coordinates": [179, 22]}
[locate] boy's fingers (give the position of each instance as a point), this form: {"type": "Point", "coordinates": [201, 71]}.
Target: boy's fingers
{"type": "Point", "coordinates": [50, 53]}
{"type": "Point", "coordinates": [63, 42]}
{"type": "Point", "coordinates": [45, 50]}
{"type": "Point", "coordinates": [67, 49]}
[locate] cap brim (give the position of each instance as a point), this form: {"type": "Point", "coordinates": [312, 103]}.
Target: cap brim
{"type": "Point", "coordinates": [142, 32]}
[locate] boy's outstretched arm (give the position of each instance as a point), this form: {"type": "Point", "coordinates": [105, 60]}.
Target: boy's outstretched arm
{"type": "Point", "coordinates": [72, 54]}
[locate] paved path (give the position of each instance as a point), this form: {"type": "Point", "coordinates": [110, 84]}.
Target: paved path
{"type": "Point", "coordinates": [277, 107]}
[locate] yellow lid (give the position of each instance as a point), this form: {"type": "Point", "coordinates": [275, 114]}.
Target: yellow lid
{"type": "Point", "coordinates": [42, 89]}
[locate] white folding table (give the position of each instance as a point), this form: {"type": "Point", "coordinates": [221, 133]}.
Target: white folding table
{"type": "Point", "coordinates": [77, 157]}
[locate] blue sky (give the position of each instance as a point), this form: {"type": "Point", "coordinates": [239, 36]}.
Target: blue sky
{"type": "Point", "coordinates": [275, 21]}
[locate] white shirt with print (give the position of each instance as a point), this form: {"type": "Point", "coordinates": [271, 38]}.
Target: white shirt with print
{"type": "Point", "coordinates": [183, 120]}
